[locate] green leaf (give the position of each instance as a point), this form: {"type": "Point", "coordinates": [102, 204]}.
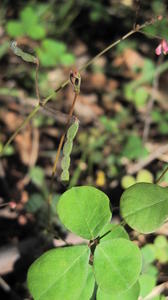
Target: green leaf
{"type": "Point", "coordinates": [84, 210]}
{"type": "Point", "coordinates": [156, 116]}
{"type": "Point", "coordinates": [161, 248]}
{"type": "Point", "coordinates": [37, 176]}
{"type": "Point", "coordinates": [59, 274]}
{"type": "Point", "coordinates": [117, 265]}
{"type": "Point", "coordinates": [8, 151]}
{"type": "Point", "coordinates": [129, 92]}
{"type": "Point", "coordinates": [148, 254]}
{"type": "Point", "coordinates": [140, 97]}
{"type": "Point", "coordinates": [144, 206]}
{"type": "Point", "coordinates": [147, 283]}
{"type": "Point", "coordinates": [134, 148]}
{"type": "Point", "coordinates": [36, 32]}
{"type": "Point", "coordinates": [67, 59]}
{"type": "Point", "coordinates": [130, 294]}
{"type": "Point", "coordinates": [15, 29]}
{"type": "Point", "coordinates": [46, 59]}
{"type": "Point", "coordinates": [36, 201]}
{"type": "Point", "coordinates": [28, 17]}
{"type": "Point", "coordinates": [55, 48]}
{"type": "Point", "coordinates": [161, 241]}
{"type": "Point", "coordinates": [152, 270]}
{"type": "Point", "coordinates": [89, 285]}
{"type": "Point", "coordinates": [163, 127]}
{"type": "Point", "coordinates": [116, 231]}
{"type": "Point", "coordinates": [159, 28]}
{"type": "Point", "coordinates": [51, 52]}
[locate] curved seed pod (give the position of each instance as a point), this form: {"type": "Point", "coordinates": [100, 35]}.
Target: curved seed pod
{"type": "Point", "coordinates": [65, 163]}
{"type": "Point", "coordinates": [65, 175]}
{"type": "Point", "coordinates": [25, 56]}
{"type": "Point", "coordinates": [72, 131]}
{"type": "Point", "coordinates": [67, 149]}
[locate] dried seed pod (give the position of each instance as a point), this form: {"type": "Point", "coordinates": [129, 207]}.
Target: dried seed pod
{"type": "Point", "coordinates": [25, 56]}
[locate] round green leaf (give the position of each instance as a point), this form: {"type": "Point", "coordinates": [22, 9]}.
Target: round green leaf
{"type": "Point", "coordinates": [130, 294]}
{"type": "Point", "coordinates": [15, 29]}
{"type": "Point", "coordinates": [148, 254]}
{"type": "Point", "coordinates": [116, 231]}
{"type": "Point", "coordinates": [28, 17]}
{"type": "Point", "coordinates": [117, 265]}
{"type": "Point", "coordinates": [54, 48]}
{"type": "Point", "coordinates": [36, 32]}
{"type": "Point", "coordinates": [89, 285]}
{"type": "Point", "coordinates": [67, 59]}
{"type": "Point", "coordinates": [84, 210]}
{"type": "Point", "coordinates": [59, 274]}
{"type": "Point", "coordinates": [144, 206]}
{"type": "Point", "coordinates": [147, 283]}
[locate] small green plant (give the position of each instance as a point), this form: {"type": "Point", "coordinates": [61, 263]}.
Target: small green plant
{"type": "Point", "coordinates": [110, 260]}
{"type": "Point", "coordinates": [29, 24]}
{"type": "Point", "coordinates": [54, 52]}
{"type": "Point", "coordinates": [160, 118]}
{"type": "Point", "coordinates": [134, 148]}
{"type": "Point", "coordinates": [110, 263]}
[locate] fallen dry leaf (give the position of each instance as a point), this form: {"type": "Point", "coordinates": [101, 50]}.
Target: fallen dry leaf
{"type": "Point", "coordinates": [131, 59]}
{"type": "Point", "coordinates": [86, 110]}
{"type": "Point", "coordinates": [24, 145]}
{"type": "Point", "coordinates": [11, 119]}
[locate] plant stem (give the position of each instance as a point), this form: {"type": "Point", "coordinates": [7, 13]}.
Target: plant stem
{"type": "Point", "coordinates": [162, 174]}
{"type": "Point", "coordinates": [44, 102]}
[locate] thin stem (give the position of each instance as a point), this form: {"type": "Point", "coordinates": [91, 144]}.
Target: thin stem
{"type": "Point", "coordinates": [161, 176]}
{"type": "Point", "coordinates": [148, 34]}
{"type": "Point", "coordinates": [107, 49]}
{"type": "Point", "coordinates": [36, 81]}
{"type": "Point", "coordinates": [44, 102]}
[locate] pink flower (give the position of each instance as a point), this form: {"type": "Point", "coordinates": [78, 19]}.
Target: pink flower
{"type": "Point", "coordinates": [162, 47]}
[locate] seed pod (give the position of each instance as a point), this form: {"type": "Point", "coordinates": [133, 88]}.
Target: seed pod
{"type": "Point", "coordinates": [65, 163]}
{"type": "Point", "coordinates": [25, 56]}
{"type": "Point", "coordinates": [67, 149]}
{"type": "Point", "coordinates": [72, 131]}
{"type": "Point", "coordinates": [65, 175]}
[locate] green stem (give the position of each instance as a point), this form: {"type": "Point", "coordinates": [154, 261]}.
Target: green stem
{"type": "Point", "coordinates": [162, 174]}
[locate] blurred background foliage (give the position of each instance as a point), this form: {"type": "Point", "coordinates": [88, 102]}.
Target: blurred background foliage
{"type": "Point", "coordinates": [122, 108]}
{"type": "Point", "coordinates": [123, 103]}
